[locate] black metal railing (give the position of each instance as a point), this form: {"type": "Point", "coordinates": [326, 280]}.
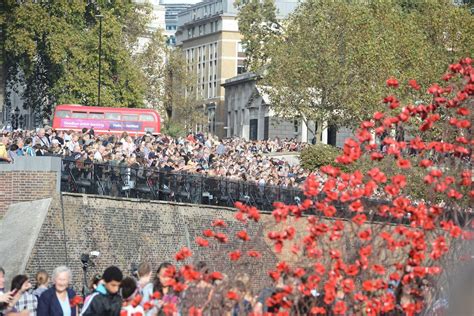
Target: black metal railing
{"type": "Point", "coordinates": [153, 184]}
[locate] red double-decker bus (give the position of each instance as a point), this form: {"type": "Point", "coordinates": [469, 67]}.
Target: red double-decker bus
{"type": "Point", "coordinates": [106, 120]}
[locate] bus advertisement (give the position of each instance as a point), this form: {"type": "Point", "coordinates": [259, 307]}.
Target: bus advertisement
{"type": "Point", "coordinates": [106, 120]}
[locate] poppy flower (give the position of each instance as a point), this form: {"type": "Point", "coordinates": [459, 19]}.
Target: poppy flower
{"type": "Point", "coordinates": [413, 84]}
{"type": "Point", "coordinates": [202, 242]}
{"type": "Point", "coordinates": [156, 295]}
{"type": "Point", "coordinates": [235, 255]}
{"type": "Point", "coordinates": [231, 295]}
{"type": "Point", "coordinates": [351, 270]}
{"type": "Point", "coordinates": [216, 275]}
{"type": "Point", "coordinates": [318, 310]}
{"type": "Point", "coordinates": [275, 275]}
{"type": "Point", "coordinates": [378, 269]}
{"type": "Point", "coordinates": [319, 268]}
{"type": "Point", "coordinates": [348, 285]}
{"type": "Point", "coordinates": [356, 206]}
{"type": "Point", "coordinates": [359, 219]}
{"type": "Point", "coordinates": [136, 300]}
{"type": "Point", "coordinates": [378, 116]}
{"type": "Point", "coordinates": [340, 308]}
{"type": "Point", "coordinates": [254, 254]}
{"type": "Point", "coordinates": [365, 251]}
{"type": "Point", "coordinates": [392, 82]}
{"type": "Point", "coordinates": [243, 235]}
{"type": "Point", "coordinates": [208, 233]}
{"type": "Point", "coordinates": [183, 254]}
{"type": "Point", "coordinates": [169, 309]}
{"type": "Point", "coordinates": [253, 213]}
{"type": "Point", "coordinates": [365, 235]}
{"type": "Point", "coordinates": [369, 286]}
{"type": "Point", "coordinates": [194, 311]}
{"type": "Point", "coordinates": [403, 163]}
{"type": "Point", "coordinates": [221, 237]}
{"type": "Point", "coordinates": [189, 273]}
{"type": "Point", "coordinates": [148, 305]}
{"type": "Point", "coordinates": [76, 300]}
{"type": "Point", "coordinates": [219, 223]}
{"type": "Point", "coordinates": [179, 287]}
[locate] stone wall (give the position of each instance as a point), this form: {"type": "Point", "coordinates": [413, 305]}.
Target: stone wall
{"type": "Point", "coordinates": [127, 232]}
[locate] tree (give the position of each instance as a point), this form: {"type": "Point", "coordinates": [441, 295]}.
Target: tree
{"type": "Point", "coordinates": [330, 62]}
{"type": "Point", "coordinates": [168, 84]}
{"type": "Point", "coordinates": [58, 60]}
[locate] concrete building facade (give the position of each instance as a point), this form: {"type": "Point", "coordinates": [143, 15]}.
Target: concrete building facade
{"type": "Point", "coordinates": [209, 36]}
{"type": "Point", "coordinates": [249, 116]}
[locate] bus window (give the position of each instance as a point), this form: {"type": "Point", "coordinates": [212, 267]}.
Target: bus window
{"type": "Point", "coordinates": [63, 114]}
{"type": "Point", "coordinates": [112, 116]}
{"type": "Point", "coordinates": [147, 118]}
{"type": "Point", "coordinates": [96, 116]}
{"type": "Point", "coordinates": [79, 115]}
{"type": "Point", "coordinates": [129, 117]}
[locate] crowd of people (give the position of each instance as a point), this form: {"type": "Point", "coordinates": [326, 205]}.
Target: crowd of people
{"type": "Point", "coordinates": [168, 291]}
{"type": "Point", "coordinates": [232, 158]}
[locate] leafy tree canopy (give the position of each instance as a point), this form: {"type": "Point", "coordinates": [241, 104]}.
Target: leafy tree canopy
{"type": "Point", "coordinates": [328, 61]}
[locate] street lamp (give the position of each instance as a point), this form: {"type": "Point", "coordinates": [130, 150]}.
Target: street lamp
{"type": "Point", "coordinates": [100, 17]}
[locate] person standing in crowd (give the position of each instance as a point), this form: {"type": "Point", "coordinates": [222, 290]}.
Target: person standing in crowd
{"type": "Point", "coordinates": [144, 276]}
{"type": "Point", "coordinates": [131, 306]}
{"type": "Point", "coordinates": [5, 298]}
{"type": "Point", "coordinates": [95, 282]}
{"type": "Point", "coordinates": [159, 285]}
{"type": "Point", "coordinates": [106, 301]}
{"type": "Point", "coordinates": [41, 138]}
{"type": "Point", "coordinates": [55, 301]}
{"type": "Point", "coordinates": [28, 150]}
{"type": "Point", "coordinates": [23, 300]}
{"type": "Point", "coordinates": [4, 157]}
{"type": "Point", "coordinates": [42, 280]}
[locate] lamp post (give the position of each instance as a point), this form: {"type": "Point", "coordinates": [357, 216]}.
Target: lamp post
{"type": "Point", "coordinates": [100, 17]}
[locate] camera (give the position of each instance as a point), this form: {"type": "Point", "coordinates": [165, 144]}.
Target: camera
{"type": "Point", "coordinates": [86, 259]}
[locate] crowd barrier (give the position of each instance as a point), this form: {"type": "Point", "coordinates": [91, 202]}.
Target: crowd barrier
{"type": "Point", "coordinates": [153, 184]}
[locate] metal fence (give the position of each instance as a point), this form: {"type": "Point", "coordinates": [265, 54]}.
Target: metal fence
{"type": "Point", "coordinates": [153, 184]}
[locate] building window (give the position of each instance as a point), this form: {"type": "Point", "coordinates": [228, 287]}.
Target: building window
{"type": "Point", "coordinates": [295, 126]}
{"type": "Point", "coordinates": [240, 69]}
{"type": "Point", "coordinates": [240, 48]}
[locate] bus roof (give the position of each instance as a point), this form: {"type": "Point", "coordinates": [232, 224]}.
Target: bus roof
{"type": "Point", "coordinates": [102, 108]}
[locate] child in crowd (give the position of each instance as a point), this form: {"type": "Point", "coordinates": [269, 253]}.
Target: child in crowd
{"type": "Point", "coordinates": [131, 298]}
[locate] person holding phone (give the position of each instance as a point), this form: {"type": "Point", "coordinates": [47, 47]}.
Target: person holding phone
{"type": "Point", "coordinates": [5, 297]}
{"type": "Point", "coordinates": [23, 302]}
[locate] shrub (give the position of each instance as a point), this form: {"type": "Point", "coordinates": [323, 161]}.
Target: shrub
{"type": "Point", "coordinates": [314, 157]}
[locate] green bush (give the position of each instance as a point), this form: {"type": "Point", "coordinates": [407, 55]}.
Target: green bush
{"type": "Point", "coordinates": [314, 157]}
{"type": "Point", "coordinates": [173, 129]}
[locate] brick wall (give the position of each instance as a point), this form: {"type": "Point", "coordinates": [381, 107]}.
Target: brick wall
{"type": "Point", "coordinates": [127, 231]}
{"type": "Point", "coordinates": [22, 186]}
